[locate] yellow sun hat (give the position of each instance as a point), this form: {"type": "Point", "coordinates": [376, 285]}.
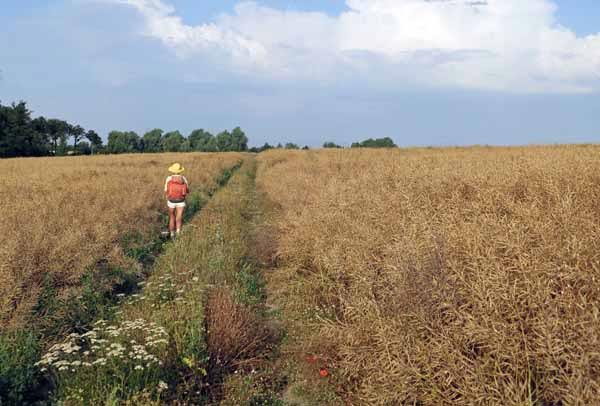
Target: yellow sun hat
{"type": "Point", "coordinates": [176, 168]}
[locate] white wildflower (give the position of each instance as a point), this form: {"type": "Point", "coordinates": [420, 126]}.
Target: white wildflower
{"type": "Point", "coordinates": [100, 361]}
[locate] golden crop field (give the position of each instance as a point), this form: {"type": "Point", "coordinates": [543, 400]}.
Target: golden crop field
{"type": "Point", "coordinates": [60, 216]}
{"type": "Point", "coordinates": [443, 276]}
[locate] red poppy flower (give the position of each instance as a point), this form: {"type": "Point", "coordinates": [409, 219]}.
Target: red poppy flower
{"type": "Point", "coordinates": [324, 373]}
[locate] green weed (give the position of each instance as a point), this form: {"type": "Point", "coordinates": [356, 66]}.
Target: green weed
{"type": "Point", "coordinates": [250, 287]}
{"type": "Point", "coordinates": [19, 377]}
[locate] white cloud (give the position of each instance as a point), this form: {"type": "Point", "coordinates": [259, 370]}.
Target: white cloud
{"type": "Point", "coordinates": [505, 45]}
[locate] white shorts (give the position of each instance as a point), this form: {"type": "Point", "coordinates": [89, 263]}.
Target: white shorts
{"type": "Point", "coordinates": [172, 205]}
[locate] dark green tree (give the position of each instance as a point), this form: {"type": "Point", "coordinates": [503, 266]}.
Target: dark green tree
{"type": "Point", "coordinates": [123, 142]}
{"type": "Point", "coordinates": [83, 148]}
{"type": "Point", "coordinates": [232, 141]}
{"type": "Point", "coordinates": [152, 140]}
{"type": "Point", "coordinates": [95, 142]}
{"type": "Point", "coordinates": [291, 145]}
{"type": "Point", "coordinates": [239, 141]}
{"type": "Point", "coordinates": [223, 140]}
{"type": "Point", "coordinates": [375, 143]}
{"type": "Point", "coordinates": [40, 143]}
{"type": "Point", "coordinates": [40, 125]}
{"type": "Point", "coordinates": [173, 141]}
{"type": "Point", "coordinates": [18, 136]}
{"type": "Point", "coordinates": [63, 147]}
{"type": "Point", "coordinates": [117, 142]}
{"type": "Point", "coordinates": [77, 132]}
{"type": "Point", "coordinates": [21, 130]}
{"type": "Point", "coordinates": [265, 147]}
{"type": "Point", "coordinates": [57, 130]}
{"type": "Point", "coordinates": [330, 144]}
{"type": "Point", "coordinates": [203, 141]}
{"type": "Point", "coordinates": [186, 146]}
{"type": "Point", "coordinates": [6, 139]}
{"type": "Point", "coordinates": [22, 135]}
{"type": "Point", "coordinates": [4, 143]}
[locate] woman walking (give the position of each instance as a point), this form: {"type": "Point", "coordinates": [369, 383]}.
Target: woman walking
{"type": "Point", "coordinates": [176, 190]}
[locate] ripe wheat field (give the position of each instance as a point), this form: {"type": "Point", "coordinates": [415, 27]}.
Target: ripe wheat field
{"type": "Point", "coordinates": [442, 276]}
{"type": "Point", "coordinates": [60, 216]}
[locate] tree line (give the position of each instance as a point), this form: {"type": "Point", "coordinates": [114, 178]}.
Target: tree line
{"type": "Point", "coordinates": [385, 142]}
{"type": "Point", "coordinates": [159, 141]}
{"type": "Point", "coordinates": [22, 135]}
{"type": "Point", "coordinates": [288, 145]}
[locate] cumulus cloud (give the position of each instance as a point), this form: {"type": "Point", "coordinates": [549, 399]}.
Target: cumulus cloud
{"type": "Point", "coordinates": [502, 45]}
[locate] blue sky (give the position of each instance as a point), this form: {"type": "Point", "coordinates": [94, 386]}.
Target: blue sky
{"type": "Point", "coordinates": [423, 73]}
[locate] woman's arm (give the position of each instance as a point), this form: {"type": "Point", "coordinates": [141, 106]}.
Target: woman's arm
{"type": "Point", "coordinates": [166, 184]}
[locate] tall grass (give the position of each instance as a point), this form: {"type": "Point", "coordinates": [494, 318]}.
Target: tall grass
{"type": "Point", "coordinates": [448, 276]}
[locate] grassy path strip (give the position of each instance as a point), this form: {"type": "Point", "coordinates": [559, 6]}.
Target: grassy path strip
{"type": "Point", "coordinates": [292, 372]}
{"type": "Point", "coordinates": [103, 288]}
{"type": "Point", "coordinates": [251, 336]}
{"type": "Point", "coordinates": [196, 319]}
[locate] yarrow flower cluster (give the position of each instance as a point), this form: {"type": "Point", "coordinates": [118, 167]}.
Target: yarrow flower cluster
{"type": "Point", "coordinates": [163, 290]}
{"type": "Point", "coordinates": [162, 386]}
{"type": "Point", "coordinates": [129, 342]}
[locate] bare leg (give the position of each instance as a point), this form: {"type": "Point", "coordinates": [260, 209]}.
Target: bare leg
{"type": "Point", "coordinates": [172, 220]}
{"type": "Point", "coordinates": [179, 218]}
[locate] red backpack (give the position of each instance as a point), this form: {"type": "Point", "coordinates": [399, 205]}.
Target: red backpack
{"type": "Point", "coordinates": [177, 189]}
